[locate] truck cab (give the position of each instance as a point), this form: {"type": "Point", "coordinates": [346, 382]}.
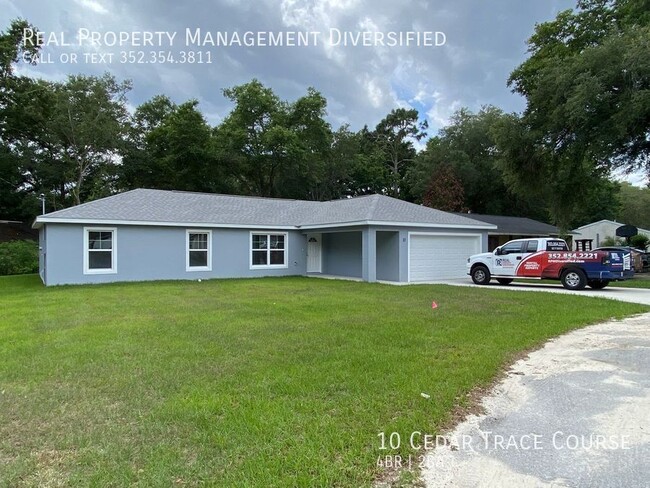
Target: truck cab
{"type": "Point", "coordinates": [509, 256]}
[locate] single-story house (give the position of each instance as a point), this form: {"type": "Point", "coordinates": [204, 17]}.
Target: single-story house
{"type": "Point", "coordinates": [509, 228]}
{"type": "Point", "coordinates": [163, 235]}
{"type": "Point", "coordinates": [601, 230]}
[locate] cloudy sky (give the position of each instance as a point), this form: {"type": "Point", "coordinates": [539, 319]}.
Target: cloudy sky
{"type": "Point", "coordinates": [484, 42]}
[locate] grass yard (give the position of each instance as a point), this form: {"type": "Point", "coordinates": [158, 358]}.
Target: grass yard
{"type": "Point", "coordinates": [258, 382]}
{"type": "Point", "coordinates": [639, 281]}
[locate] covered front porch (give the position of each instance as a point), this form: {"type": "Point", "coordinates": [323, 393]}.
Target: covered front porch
{"type": "Point", "coordinates": [368, 254]}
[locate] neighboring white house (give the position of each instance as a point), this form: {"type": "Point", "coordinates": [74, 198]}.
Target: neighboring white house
{"type": "Point", "coordinates": [601, 230]}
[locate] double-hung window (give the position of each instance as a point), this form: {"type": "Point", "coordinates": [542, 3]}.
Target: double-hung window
{"type": "Point", "coordinates": [100, 250]}
{"type": "Point", "coordinates": [268, 250]}
{"type": "Point", "coordinates": [199, 250]}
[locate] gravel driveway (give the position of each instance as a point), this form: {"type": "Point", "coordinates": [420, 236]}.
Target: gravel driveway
{"type": "Point", "coordinates": [574, 413]}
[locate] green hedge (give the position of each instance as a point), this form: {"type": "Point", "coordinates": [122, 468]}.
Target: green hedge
{"type": "Point", "coordinates": [18, 257]}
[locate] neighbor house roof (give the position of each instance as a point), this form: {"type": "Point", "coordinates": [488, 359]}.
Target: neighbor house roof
{"type": "Point", "coordinates": [516, 225]}
{"type": "Point", "coordinates": [160, 207]}
{"type": "Point", "coordinates": [13, 230]}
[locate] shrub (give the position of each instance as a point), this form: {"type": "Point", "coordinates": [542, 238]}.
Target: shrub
{"type": "Point", "coordinates": [610, 241]}
{"type": "Point", "coordinates": [640, 241]}
{"type": "Point", "coordinates": [18, 257]}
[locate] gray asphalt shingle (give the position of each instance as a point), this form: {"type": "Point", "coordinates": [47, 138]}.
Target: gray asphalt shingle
{"type": "Point", "coordinates": [517, 225]}
{"type": "Point", "coordinates": [160, 206]}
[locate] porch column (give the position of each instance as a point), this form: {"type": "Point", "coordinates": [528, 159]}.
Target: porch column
{"type": "Point", "coordinates": [403, 256]}
{"type": "Point", "coordinates": [369, 254]}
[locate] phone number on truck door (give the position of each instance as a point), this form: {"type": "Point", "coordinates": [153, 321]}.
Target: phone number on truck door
{"type": "Point", "coordinates": [572, 255]}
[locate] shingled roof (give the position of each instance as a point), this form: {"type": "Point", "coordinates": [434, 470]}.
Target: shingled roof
{"type": "Point", "coordinates": [151, 207]}
{"type": "Point", "coordinates": [516, 225]}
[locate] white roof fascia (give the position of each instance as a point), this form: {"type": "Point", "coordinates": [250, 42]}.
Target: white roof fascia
{"type": "Point", "coordinates": [397, 224]}
{"type": "Point", "coordinates": [45, 220]}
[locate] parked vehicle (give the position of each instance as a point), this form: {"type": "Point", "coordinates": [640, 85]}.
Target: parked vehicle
{"type": "Point", "coordinates": [550, 258]}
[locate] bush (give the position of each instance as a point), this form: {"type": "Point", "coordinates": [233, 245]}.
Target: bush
{"type": "Point", "coordinates": [18, 257]}
{"type": "Point", "coordinates": [610, 241]}
{"type": "Point", "coordinates": [640, 241]}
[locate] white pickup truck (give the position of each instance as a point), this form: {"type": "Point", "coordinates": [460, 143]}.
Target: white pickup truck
{"type": "Point", "coordinates": [550, 258]}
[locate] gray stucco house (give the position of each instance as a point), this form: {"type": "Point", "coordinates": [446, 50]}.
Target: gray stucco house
{"type": "Point", "coordinates": [166, 235]}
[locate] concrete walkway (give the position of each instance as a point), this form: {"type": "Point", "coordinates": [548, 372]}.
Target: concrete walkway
{"type": "Point", "coordinates": [575, 413]}
{"type": "Point", "coordinates": [632, 295]}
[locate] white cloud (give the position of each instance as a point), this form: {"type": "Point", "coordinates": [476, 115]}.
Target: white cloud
{"type": "Point", "coordinates": [93, 5]}
{"type": "Point", "coordinates": [442, 110]}
{"type": "Point", "coordinates": [485, 42]}
{"type": "Point", "coordinates": [637, 178]}
{"type": "Point", "coordinates": [373, 91]}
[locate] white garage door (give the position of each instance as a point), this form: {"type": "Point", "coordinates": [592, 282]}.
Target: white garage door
{"type": "Point", "coordinates": [440, 257]}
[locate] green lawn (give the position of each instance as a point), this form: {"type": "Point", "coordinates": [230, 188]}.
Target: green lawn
{"type": "Point", "coordinates": [259, 382]}
{"type": "Point", "coordinates": [642, 281]}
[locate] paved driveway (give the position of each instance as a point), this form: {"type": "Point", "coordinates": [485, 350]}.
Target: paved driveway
{"type": "Point", "coordinates": [575, 413]}
{"type": "Point", "coordinates": [633, 295]}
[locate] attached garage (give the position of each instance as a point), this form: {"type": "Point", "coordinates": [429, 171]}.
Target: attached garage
{"type": "Point", "coordinates": [440, 256]}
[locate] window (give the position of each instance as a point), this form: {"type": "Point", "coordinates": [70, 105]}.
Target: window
{"type": "Point", "coordinates": [199, 250]}
{"type": "Point", "coordinates": [268, 250]}
{"type": "Point", "coordinates": [531, 246]}
{"type": "Point", "coordinates": [512, 247]}
{"type": "Point", "coordinates": [100, 250]}
{"type": "Point", "coordinates": [556, 246]}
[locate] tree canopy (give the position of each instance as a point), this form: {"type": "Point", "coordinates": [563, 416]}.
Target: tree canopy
{"type": "Point", "coordinates": [586, 84]}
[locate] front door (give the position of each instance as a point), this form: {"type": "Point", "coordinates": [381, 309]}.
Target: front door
{"type": "Point", "coordinates": [314, 261]}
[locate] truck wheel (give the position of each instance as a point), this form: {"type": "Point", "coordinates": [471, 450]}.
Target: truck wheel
{"type": "Point", "coordinates": [481, 275]}
{"type": "Point", "coordinates": [504, 281]}
{"type": "Point", "coordinates": [598, 284]}
{"type": "Point", "coordinates": [573, 279]}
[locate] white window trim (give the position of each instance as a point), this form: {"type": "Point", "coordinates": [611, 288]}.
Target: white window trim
{"type": "Point", "coordinates": [268, 266]}
{"type": "Point", "coordinates": [113, 269]}
{"type": "Point", "coordinates": [189, 268]}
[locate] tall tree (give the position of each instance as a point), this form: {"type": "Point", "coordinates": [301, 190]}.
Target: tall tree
{"type": "Point", "coordinates": [366, 162]}
{"type": "Point", "coordinates": [445, 191]}
{"type": "Point", "coordinates": [587, 84]}
{"type": "Point", "coordinates": [309, 163]}
{"type": "Point", "coordinates": [395, 135]}
{"type": "Point", "coordinates": [569, 185]}
{"type": "Point", "coordinates": [15, 47]}
{"type": "Point", "coordinates": [19, 119]}
{"type": "Point", "coordinates": [187, 143]}
{"type": "Point", "coordinates": [635, 206]}
{"type": "Point", "coordinates": [66, 136]}
{"type": "Point", "coordinates": [469, 146]}
{"type": "Point", "coordinates": [253, 137]}
{"type": "Point", "coordinates": [143, 165]}
{"type": "Point", "coordinates": [87, 127]}
{"type": "Point", "coordinates": [276, 148]}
